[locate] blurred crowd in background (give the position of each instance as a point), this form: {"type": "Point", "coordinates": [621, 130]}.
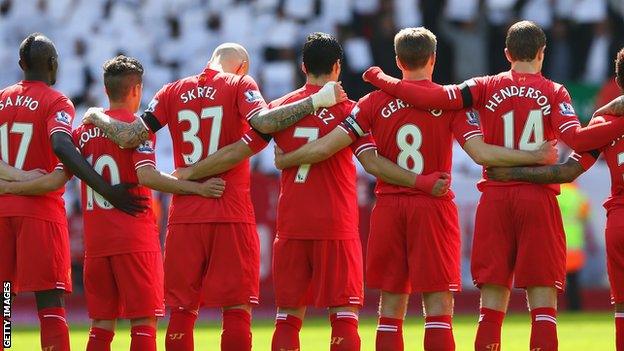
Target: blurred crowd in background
{"type": "Point", "coordinates": [174, 38]}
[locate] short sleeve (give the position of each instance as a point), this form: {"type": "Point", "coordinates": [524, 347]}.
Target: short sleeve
{"type": "Point", "coordinates": [475, 90]}
{"type": "Point", "coordinates": [586, 159]}
{"type": "Point", "coordinates": [563, 117]}
{"type": "Point", "coordinates": [156, 112]}
{"type": "Point", "coordinates": [363, 144]}
{"type": "Point", "coordinates": [465, 125]}
{"type": "Point", "coordinates": [60, 117]}
{"type": "Point", "coordinates": [145, 154]}
{"type": "Point", "coordinates": [255, 140]}
{"type": "Point", "coordinates": [249, 99]}
{"type": "Point", "coordinates": [358, 123]}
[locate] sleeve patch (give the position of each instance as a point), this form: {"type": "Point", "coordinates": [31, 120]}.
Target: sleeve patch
{"type": "Point", "coordinates": [147, 147]}
{"type": "Point", "coordinates": [151, 107]}
{"type": "Point", "coordinates": [63, 118]}
{"type": "Point", "coordinates": [566, 109]}
{"type": "Point", "coordinates": [472, 117]}
{"type": "Point", "coordinates": [252, 96]}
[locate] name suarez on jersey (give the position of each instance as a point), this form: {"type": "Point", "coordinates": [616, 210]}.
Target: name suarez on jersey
{"type": "Point", "coordinates": [19, 101]}
{"type": "Point", "coordinates": [514, 91]}
{"type": "Point", "coordinates": [205, 92]}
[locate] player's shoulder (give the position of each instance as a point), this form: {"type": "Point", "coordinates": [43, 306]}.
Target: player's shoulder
{"type": "Point", "coordinates": [290, 97]}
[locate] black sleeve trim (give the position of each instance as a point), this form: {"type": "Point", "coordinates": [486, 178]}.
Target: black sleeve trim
{"type": "Point", "coordinates": [595, 153]}
{"type": "Point", "coordinates": [151, 121]}
{"type": "Point", "coordinates": [352, 125]}
{"type": "Point", "coordinates": [266, 137]}
{"type": "Point", "coordinates": [466, 95]}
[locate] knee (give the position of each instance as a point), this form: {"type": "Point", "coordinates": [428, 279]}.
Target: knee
{"type": "Point", "coordinates": [393, 305]}
{"type": "Point", "coordinates": [438, 303]}
{"type": "Point", "coordinates": [49, 298]}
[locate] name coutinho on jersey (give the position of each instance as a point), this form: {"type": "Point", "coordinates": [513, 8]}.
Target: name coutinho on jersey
{"type": "Point", "coordinates": [514, 91]}
{"type": "Point", "coordinates": [20, 101]}
{"type": "Point", "coordinates": [199, 92]}
{"type": "Point", "coordinates": [87, 135]}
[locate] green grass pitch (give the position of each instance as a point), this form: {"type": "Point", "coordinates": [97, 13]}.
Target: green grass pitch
{"type": "Point", "coordinates": [582, 331]}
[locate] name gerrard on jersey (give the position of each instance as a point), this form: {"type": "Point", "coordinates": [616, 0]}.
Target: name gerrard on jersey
{"type": "Point", "coordinates": [20, 101]}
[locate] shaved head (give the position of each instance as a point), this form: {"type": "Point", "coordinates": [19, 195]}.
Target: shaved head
{"type": "Point", "coordinates": [232, 57]}
{"type": "Point", "coordinates": [38, 57]}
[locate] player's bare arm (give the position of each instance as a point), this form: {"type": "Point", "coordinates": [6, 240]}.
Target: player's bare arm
{"type": "Point", "coordinates": [276, 119]}
{"type": "Point", "coordinates": [154, 179]}
{"type": "Point", "coordinates": [118, 195]}
{"type": "Point", "coordinates": [12, 174]}
{"type": "Point", "coordinates": [553, 174]}
{"type": "Point", "coordinates": [221, 161]}
{"type": "Point", "coordinates": [313, 152]}
{"type": "Point", "coordinates": [492, 155]}
{"type": "Point", "coordinates": [37, 186]}
{"type": "Point", "coordinates": [615, 107]}
{"type": "Point", "coordinates": [126, 135]}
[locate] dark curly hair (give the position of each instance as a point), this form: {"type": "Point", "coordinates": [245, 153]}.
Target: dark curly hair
{"type": "Point", "coordinates": [120, 75]}
{"type": "Point", "coordinates": [619, 69]}
{"type": "Point", "coordinates": [320, 52]}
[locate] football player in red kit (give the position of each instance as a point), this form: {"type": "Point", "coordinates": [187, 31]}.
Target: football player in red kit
{"type": "Point", "coordinates": [35, 132]}
{"type": "Point", "coordinates": [613, 153]}
{"type": "Point", "coordinates": [212, 249]}
{"type": "Point", "coordinates": [518, 109]}
{"type": "Point", "coordinates": [123, 271]}
{"type": "Point", "coordinates": [414, 244]}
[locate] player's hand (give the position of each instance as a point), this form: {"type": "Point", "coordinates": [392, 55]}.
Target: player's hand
{"type": "Point", "coordinates": [4, 187]}
{"type": "Point", "coordinates": [499, 174]}
{"type": "Point", "coordinates": [183, 173]}
{"type": "Point", "coordinates": [436, 183]}
{"type": "Point", "coordinates": [24, 176]}
{"type": "Point", "coordinates": [330, 94]}
{"type": "Point", "coordinates": [213, 187]}
{"type": "Point", "coordinates": [615, 108]}
{"type": "Point", "coordinates": [279, 157]}
{"type": "Point", "coordinates": [547, 154]}
{"type": "Point", "coordinates": [120, 196]}
{"type": "Point", "coordinates": [442, 185]}
{"type": "Point", "coordinates": [91, 114]}
{"type": "Point", "coordinates": [371, 73]}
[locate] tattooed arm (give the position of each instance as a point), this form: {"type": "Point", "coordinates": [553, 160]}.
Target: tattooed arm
{"type": "Point", "coordinates": [555, 174]}
{"type": "Point", "coordinates": [615, 108]}
{"type": "Point", "coordinates": [282, 117]}
{"type": "Point", "coordinates": [126, 135]}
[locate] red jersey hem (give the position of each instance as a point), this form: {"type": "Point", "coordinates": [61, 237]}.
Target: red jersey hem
{"type": "Point", "coordinates": [123, 252]}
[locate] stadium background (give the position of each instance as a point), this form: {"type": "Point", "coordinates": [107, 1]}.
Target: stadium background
{"type": "Point", "coordinates": [175, 38]}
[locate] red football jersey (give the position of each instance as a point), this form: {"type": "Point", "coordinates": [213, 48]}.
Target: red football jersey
{"type": "Point", "coordinates": [30, 112]}
{"type": "Point", "coordinates": [109, 231]}
{"type": "Point", "coordinates": [318, 201]}
{"type": "Point", "coordinates": [417, 140]}
{"type": "Point", "coordinates": [614, 156]}
{"type": "Point", "coordinates": [204, 113]}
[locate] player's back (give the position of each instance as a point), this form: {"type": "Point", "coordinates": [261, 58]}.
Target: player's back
{"type": "Point", "coordinates": [109, 231]}
{"type": "Point", "coordinates": [521, 111]}
{"type": "Point", "coordinates": [204, 113]}
{"type": "Point", "coordinates": [30, 111]}
{"type": "Point", "coordinates": [317, 201]}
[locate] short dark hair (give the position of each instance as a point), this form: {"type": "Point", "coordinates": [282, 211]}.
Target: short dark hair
{"type": "Point", "coordinates": [524, 40]}
{"type": "Point", "coordinates": [120, 74]}
{"type": "Point", "coordinates": [320, 52]}
{"type": "Point", "coordinates": [414, 46]}
{"type": "Point", "coordinates": [619, 68]}
{"type": "Point", "coordinates": [36, 50]}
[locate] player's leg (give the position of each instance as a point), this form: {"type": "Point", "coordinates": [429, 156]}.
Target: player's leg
{"type": "Point", "coordinates": [102, 299]}
{"type": "Point", "coordinates": [43, 266]}
{"type": "Point", "coordinates": [344, 324]}
{"type": "Point", "coordinates": [392, 310]}
{"type": "Point", "coordinates": [619, 326]}
{"type": "Point", "coordinates": [231, 279]}
{"type": "Point", "coordinates": [8, 258]}
{"type": "Point", "coordinates": [387, 270]}
{"type": "Point", "coordinates": [101, 334]}
{"type": "Point", "coordinates": [614, 240]}
{"type": "Point", "coordinates": [540, 261]}
{"type": "Point", "coordinates": [143, 334]}
{"type": "Point", "coordinates": [291, 280]}
{"type": "Point", "coordinates": [438, 308]}
{"type": "Point", "coordinates": [184, 263]}
{"type": "Point", "coordinates": [492, 263]}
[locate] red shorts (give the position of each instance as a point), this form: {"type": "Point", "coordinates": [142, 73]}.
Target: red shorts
{"type": "Point", "coordinates": [34, 254]}
{"type": "Point", "coordinates": [323, 273]}
{"type": "Point", "coordinates": [614, 237]}
{"type": "Point", "coordinates": [414, 245]}
{"type": "Point", "coordinates": [211, 264]}
{"type": "Point", "coordinates": [124, 286]}
{"type": "Point", "coordinates": [519, 237]}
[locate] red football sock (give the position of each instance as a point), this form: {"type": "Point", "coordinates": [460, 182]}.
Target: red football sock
{"type": "Point", "coordinates": [544, 329]}
{"type": "Point", "coordinates": [236, 335]}
{"type": "Point", "coordinates": [489, 330]}
{"type": "Point", "coordinates": [619, 331]}
{"type": "Point", "coordinates": [439, 333]}
{"type": "Point", "coordinates": [180, 331]}
{"type": "Point", "coordinates": [286, 334]}
{"type": "Point", "coordinates": [389, 334]}
{"type": "Point", "coordinates": [99, 339]}
{"type": "Point", "coordinates": [143, 338]}
{"type": "Point", "coordinates": [54, 330]}
{"type": "Point", "coordinates": [344, 336]}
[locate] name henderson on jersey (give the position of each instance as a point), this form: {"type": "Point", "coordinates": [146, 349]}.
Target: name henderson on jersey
{"type": "Point", "coordinates": [514, 91]}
